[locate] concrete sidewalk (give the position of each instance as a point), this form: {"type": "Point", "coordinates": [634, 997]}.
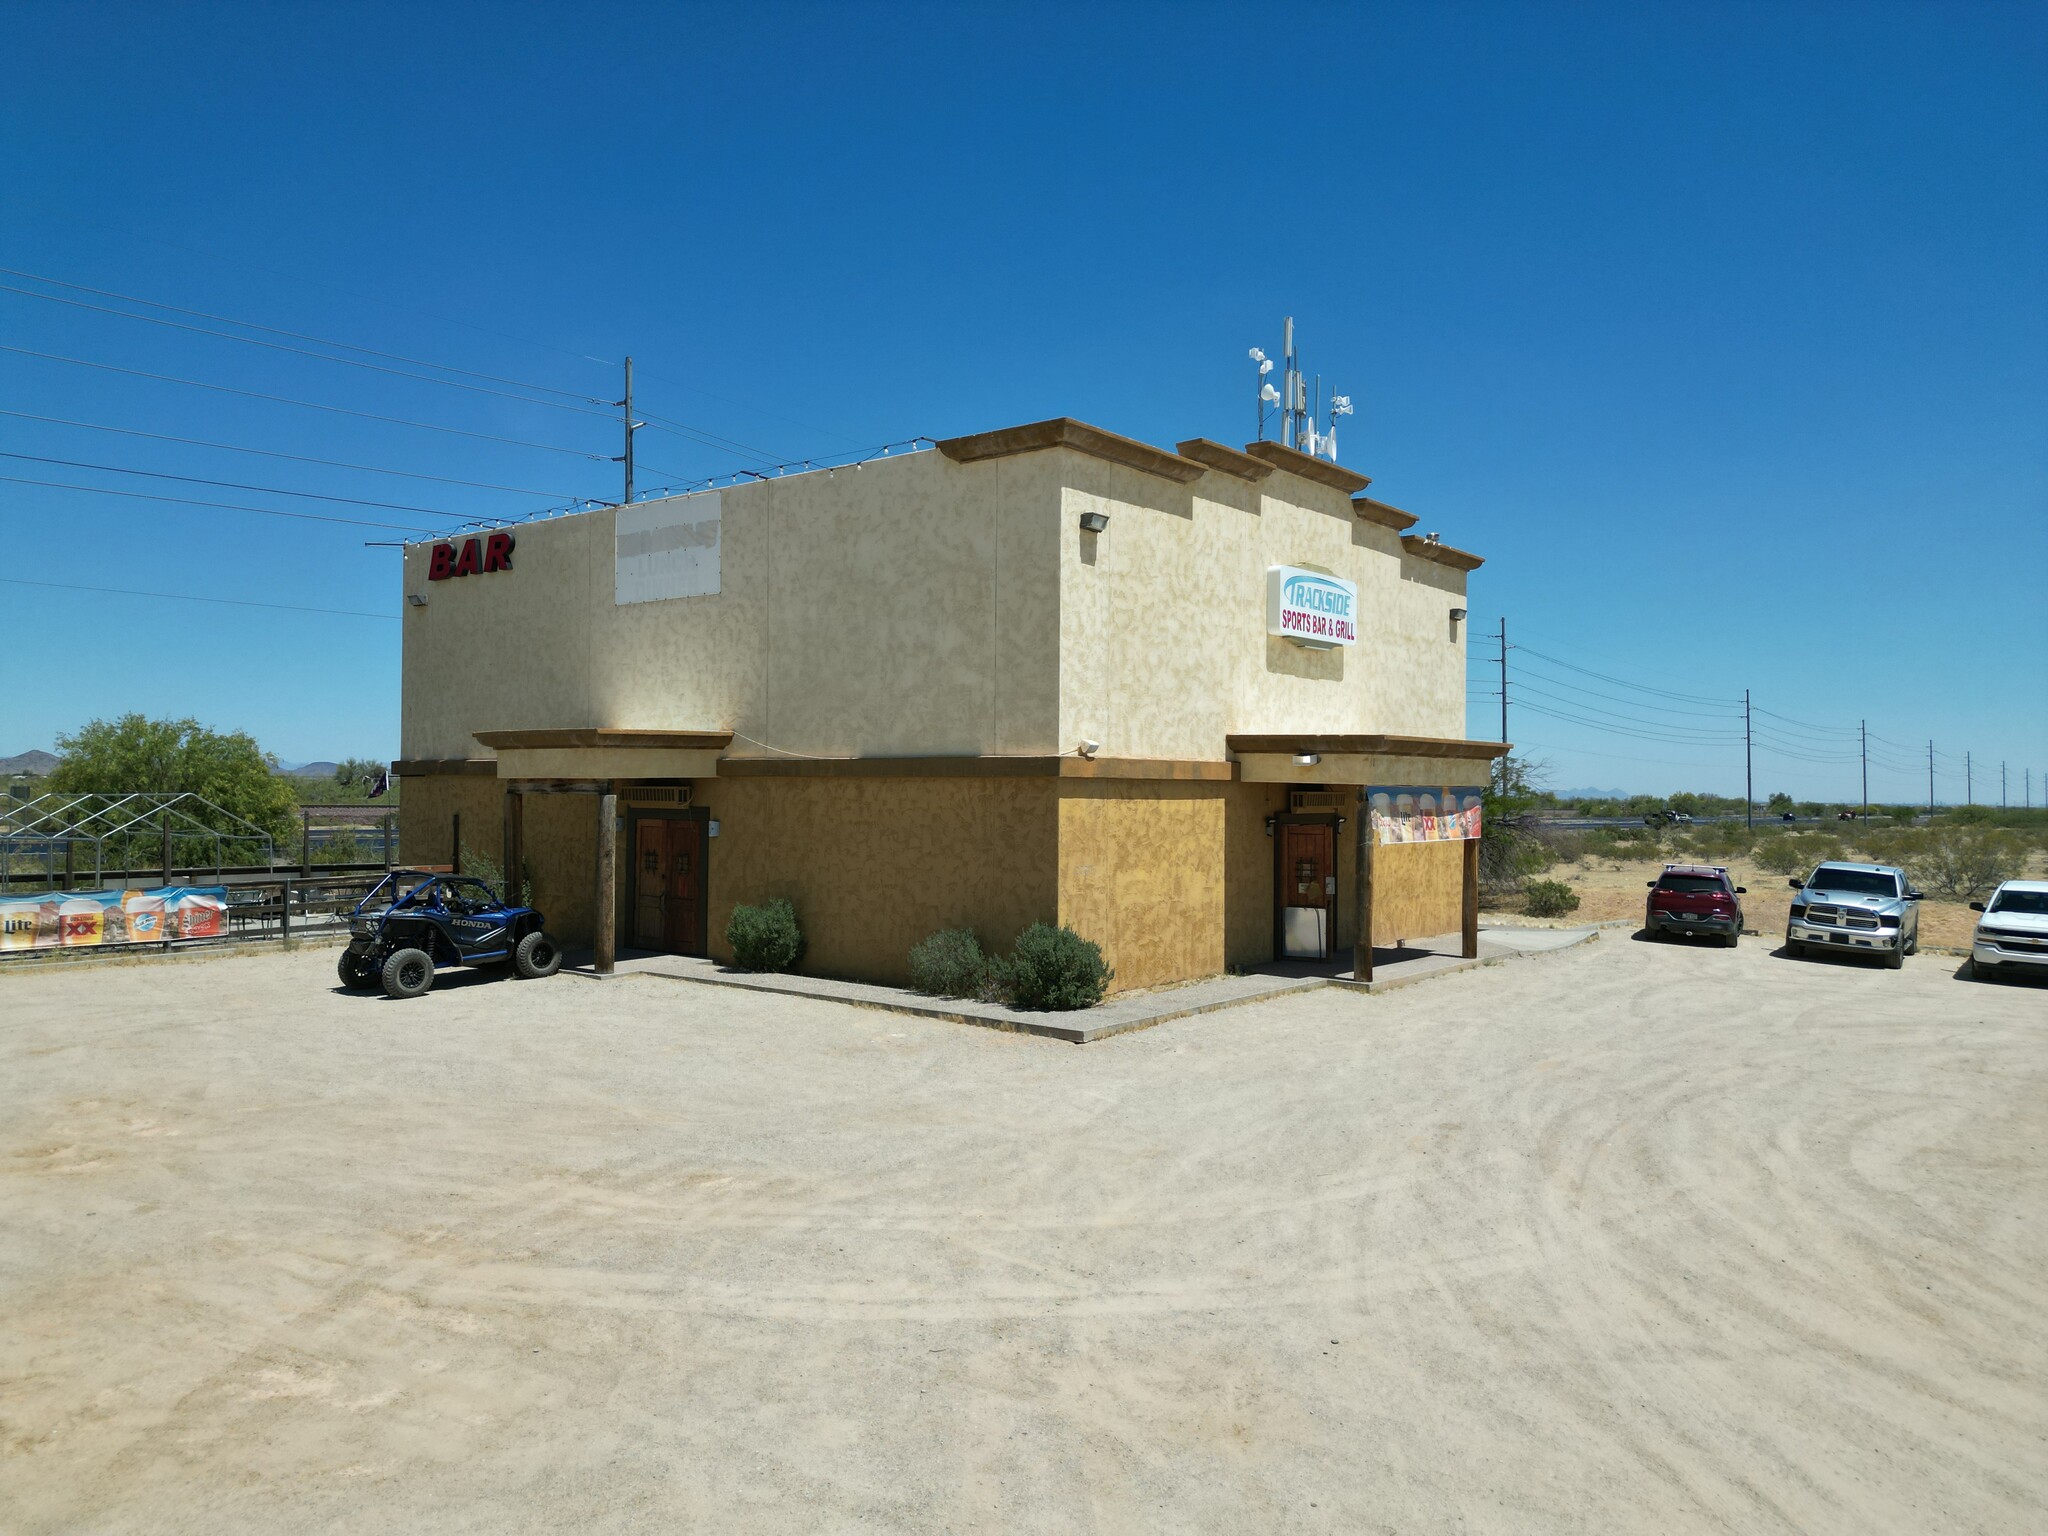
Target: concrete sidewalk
{"type": "Point", "coordinates": [1123, 1011]}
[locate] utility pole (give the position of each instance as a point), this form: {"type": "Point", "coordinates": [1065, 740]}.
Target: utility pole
{"type": "Point", "coordinates": [632, 426]}
{"type": "Point", "coordinates": [1930, 777]}
{"type": "Point", "coordinates": [1504, 698]}
{"type": "Point", "coordinates": [1863, 734]}
{"type": "Point", "coordinates": [1969, 788]}
{"type": "Point", "coordinates": [1748, 773]}
{"type": "Point", "coordinates": [2001, 786]}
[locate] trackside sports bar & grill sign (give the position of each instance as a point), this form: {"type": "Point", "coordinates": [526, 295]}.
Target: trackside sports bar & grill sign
{"type": "Point", "coordinates": [1311, 608]}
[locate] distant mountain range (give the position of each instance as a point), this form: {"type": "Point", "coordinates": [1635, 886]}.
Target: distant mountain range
{"type": "Point", "coordinates": [28, 762]}
{"type": "Point", "coordinates": [40, 763]}
{"type": "Point", "coordinates": [1591, 794]}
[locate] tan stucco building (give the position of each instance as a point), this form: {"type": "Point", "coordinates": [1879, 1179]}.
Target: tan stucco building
{"type": "Point", "coordinates": [1026, 676]}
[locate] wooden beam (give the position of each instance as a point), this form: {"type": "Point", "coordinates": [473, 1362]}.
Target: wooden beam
{"type": "Point", "coordinates": [607, 945]}
{"type": "Point", "coordinates": [1385, 746]}
{"type": "Point", "coordinates": [605, 736]}
{"type": "Point", "coordinates": [455, 843]}
{"type": "Point", "coordinates": [1471, 894]}
{"type": "Point", "coordinates": [1361, 880]}
{"type": "Point", "coordinates": [515, 836]}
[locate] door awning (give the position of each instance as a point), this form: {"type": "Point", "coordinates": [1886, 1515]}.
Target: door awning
{"type": "Point", "coordinates": [1324, 758]}
{"type": "Point", "coordinates": [606, 752]}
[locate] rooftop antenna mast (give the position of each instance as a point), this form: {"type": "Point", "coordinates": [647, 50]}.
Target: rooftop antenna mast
{"type": "Point", "coordinates": [1294, 389]}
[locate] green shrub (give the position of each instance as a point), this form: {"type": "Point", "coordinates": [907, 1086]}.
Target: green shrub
{"type": "Point", "coordinates": [1796, 853]}
{"type": "Point", "coordinates": [1054, 968]}
{"type": "Point", "coordinates": [950, 963]}
{"type": "Point", "coordinates": [765, 938]}
{"type": "Point", "coordinates": [1567, 847]}
{"type": "Point", "coordinates": [1962, 862]}
{"type": "Point", "coordinates": [1549, 898]}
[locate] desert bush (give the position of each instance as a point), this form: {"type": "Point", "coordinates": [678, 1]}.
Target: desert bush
{"type": "Point", "coordinates": [1796, 853]}
{"type": "Point", "coordinates": [1566, 847]}
{"type": "Point", "coordinates": [765, 938]}
{"type": "Point", "coordinates": [950, 963]}
{"type": "Point", "coordinates": [1961, 862]}
{"type": "Point", "coordinates": [1549, 898]}
{"type": "Point", "coordinates": [1054, 968]}
{"type": "Point", "coordinates": [1904, 814]}
{"type": "Point", "coordinates": [1719, 843]}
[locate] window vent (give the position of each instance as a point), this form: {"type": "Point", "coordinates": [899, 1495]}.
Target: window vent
{"type": "Point", "coordinates": [1315, 802]}
{"type": "Point", "coordinates": [679, 795]}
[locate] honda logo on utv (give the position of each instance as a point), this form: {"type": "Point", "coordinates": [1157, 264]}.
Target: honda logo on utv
{"type": "Point", "coordinates": [476, 556]}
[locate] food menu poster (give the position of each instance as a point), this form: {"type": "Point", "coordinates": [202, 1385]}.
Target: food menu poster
{"type": "Point", "coordinates": [1411, 813]}
{"type": "Point", "coordinates": [84, 919]}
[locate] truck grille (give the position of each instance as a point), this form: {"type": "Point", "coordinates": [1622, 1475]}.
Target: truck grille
{"type": "Point", "coordinates": [1840, 917]}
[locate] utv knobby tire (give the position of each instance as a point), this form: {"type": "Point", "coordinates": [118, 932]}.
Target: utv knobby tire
{"type": "Point", "coordinates": [537, 956]}
{"type": "Point", "coordinates": [354, 971]}
{"type": "Point", "coordinates": [408, 973]}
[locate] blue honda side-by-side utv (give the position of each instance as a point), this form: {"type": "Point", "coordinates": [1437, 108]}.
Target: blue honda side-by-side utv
{"type": "Point", "coordinates": [413, 922]}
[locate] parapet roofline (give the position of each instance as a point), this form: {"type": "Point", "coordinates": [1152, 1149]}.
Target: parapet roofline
{"type": "Point", "coordinates": [1197, 455]}
{"type": "Point", "coordinates": [1388, 746]}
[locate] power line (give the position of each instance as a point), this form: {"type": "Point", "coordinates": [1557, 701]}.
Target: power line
{"type": "Point", "coordinates": [276, 346]}
{"type": "Point", "coordinates": [297, 458]}
{"type": "Point", "coordinates": [705, 439]}
{"type": "Point", "coordinates": [1622, 682]}
{"type": "Point", "coordinates": [187, 597]}
{"type": "Point", "coordinates": [272, 330]}
{"type": "Point", "coordinates": [1697, 732]}
{"type": "Point", "coordinates": [1697, 714]}
{"type": "Point", "coordinates": [311, 405]}
{"type": "Point", "coordinates": [227, 506]}
{"type": "Point", "coordinates": [236, 485]}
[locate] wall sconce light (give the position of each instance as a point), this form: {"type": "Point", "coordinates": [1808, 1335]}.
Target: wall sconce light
{"type": "Point", "coordinates": [1094, 522]}
{"type": "Point", "coordinates": [1307, 759]}
{"type": "Point", "coordinates": [415, 599]}
{"type": "Point", "coordinates": [1090, 748]}
{"type": "Point", "coordinates": [1269, 826]}
{"type": "Point", "coordinates": [1457, 615]}
{"type": "Point", "coordinates": [711, 829]}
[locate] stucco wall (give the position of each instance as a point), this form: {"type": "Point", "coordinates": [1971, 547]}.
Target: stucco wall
{"type": "Point", "coordinates": [560, 834]}
{"type": "Point", "coordinates": [1142, 875]}
{"type": "Point", "coordinates": [906, 607]}
{"type": "Point", "coordinates": [1163, 646]}
{"type": "Point", "coordinates": [874, 865]}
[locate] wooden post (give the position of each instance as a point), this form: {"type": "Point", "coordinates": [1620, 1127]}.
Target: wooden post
{"type": "Point", "coordinates": [455, 843]}
{"type": "Point", "coordinates": [305, 845]}
{"type": "Point", "coordinates": [387, 842]}
{"type": "Point", "coordinates": [515, 844]}
{"type": "Point", "coordinates": [1471, 893]}
{"type": "Point", "coordinates": [1361, 870]}
{"type": "Point", "coordinates": [167, 847]}
{"type": "Point", "coordinates": [284, 911]}
{"type": "Point", "coordinates": [70, 860]}
{"type": "Point", "coordinates": [607, 880]}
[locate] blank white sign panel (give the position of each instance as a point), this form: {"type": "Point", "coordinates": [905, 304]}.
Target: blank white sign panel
{"type": "Point", "coordinates": [667, 549]}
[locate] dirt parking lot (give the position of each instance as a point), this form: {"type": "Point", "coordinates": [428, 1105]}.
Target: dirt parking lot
{"type": "Point", "coordinates": [1634, 1238]}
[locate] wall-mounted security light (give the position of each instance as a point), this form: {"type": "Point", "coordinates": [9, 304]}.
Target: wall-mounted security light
{"type": "Point", "coordinates": [415, 599]}
{"type": "Point", "coordinates": [1307, 759]}
{"type": "Point", "coordinates": [1094, 522]}
{"type": "Point", "coordinates": [1269, 826]}
{"type": "Point", "coordinates": [1090, 748]}
{"type": "Point", "coordinates": [711, 829]}
{"type": "Point", "coordinates": [1457, 615]}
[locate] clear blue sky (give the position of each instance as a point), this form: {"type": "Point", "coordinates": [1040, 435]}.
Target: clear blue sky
{"type": "Point", "coordinates": [1721, 331]}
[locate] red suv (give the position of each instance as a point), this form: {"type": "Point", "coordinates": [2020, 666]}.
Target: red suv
{"type": "Point", "coordinates": [1693, 899]}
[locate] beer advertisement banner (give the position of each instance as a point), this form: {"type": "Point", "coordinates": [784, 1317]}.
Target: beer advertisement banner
{"type": "Point", "coordinates": [1411, 813]}
{"type": "Point", "coordinates": [84, 919]}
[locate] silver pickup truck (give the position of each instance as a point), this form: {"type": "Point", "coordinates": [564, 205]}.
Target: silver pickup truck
{"type": "Point", "coordinates": [1855, 906]}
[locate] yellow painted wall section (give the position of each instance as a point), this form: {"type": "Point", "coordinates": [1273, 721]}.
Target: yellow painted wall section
{"type": "Point", "coordinates": [907, 607]}
{"type": "Point", "coordinates": [1142, 875]}
{"type": "Point", "coordinates": [426, 812]}
{"type": "Point", "coordinates": [1248, 872]}
{"type": "Point", "coordinates": [874, 865]}
{"type": "Point", "coordinates": [560, 833]}
{"type": "Point", "coordinates": [1163, 643]}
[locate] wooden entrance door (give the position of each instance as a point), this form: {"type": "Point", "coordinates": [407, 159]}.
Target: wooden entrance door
{"type": "Point", "coordinates": [667, 876]}
{"type": "Point", "coordinates": [1307, 889]}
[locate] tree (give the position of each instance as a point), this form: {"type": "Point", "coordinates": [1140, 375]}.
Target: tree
{"type": "Point", "coordinates": [137, 755]}
{"type": "Point", "coordinates": [1779, 803]}
{"type": "Point", "coordinates": [358, 773]}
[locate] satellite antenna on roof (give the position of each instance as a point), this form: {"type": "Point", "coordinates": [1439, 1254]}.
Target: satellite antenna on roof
{"type": "Point", "coordinates": [1297, 421]}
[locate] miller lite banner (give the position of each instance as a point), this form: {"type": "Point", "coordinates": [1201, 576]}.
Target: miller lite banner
{"type": "Point", "coordinates": [1311, 608]}
{"type": "Point", "coordinates": [89, 919]}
